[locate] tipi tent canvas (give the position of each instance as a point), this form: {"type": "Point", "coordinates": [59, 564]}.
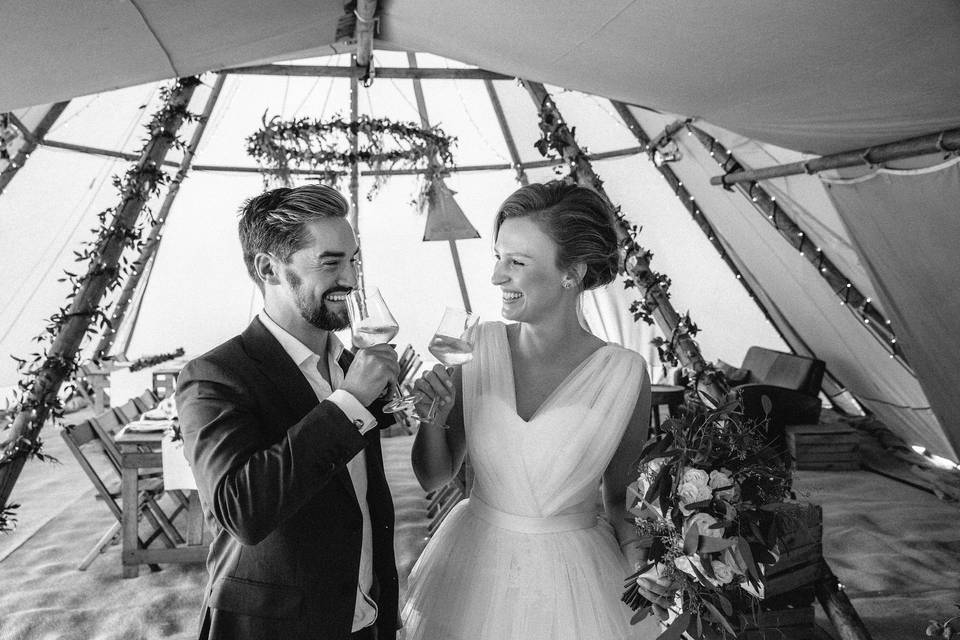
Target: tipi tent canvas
{"type": "Point", "coordinates": [769, 85]}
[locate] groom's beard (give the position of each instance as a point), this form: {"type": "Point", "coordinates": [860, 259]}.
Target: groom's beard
{"type": "Point", "coordinates": [319, 314]}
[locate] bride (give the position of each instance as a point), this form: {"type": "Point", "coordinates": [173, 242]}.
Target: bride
{"type": "Point", "coordinates": [547, 413]}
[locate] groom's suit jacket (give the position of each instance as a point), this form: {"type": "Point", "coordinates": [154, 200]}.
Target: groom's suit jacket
{"type": "Point", "coordinates": [270, 464]}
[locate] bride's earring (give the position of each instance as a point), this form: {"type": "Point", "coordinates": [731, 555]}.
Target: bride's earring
{"type": "Point", "coordinates": [566, 284]}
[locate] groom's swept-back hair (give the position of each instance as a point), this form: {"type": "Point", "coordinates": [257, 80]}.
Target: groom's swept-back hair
{"type": "Point", "coordinates": [579, 220]}
{"type": "Point", "coordinates": [273, 222]}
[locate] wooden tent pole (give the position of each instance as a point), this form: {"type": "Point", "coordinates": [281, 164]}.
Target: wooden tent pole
{"type": "Point", "coordinates": [152, 243]}
{"type": "Point", "coordinates": [425, 123]}
{"type": "Point", "coordinates": [366, 22]}
{"type": "Point", "coordinates": [947, 141]}
{"type": "Point", "coordinates": [389, 73]}
{"type": "Point", "coordinates": [872, 318]}
{"type": "Point", "coordinates": [535, 164]}
{"type": "Point", "coordinates": [354, 215]}
{"type": "Point", "coordinates": [637, 264]}
{"type": "Point", "coordinates": [58, 363]}
{"type": "Point", "coordinates": [690, 204]}
{"type": "Point", "coordinates": [837, 606]}
{"type": "Point", "coordinates": [507, 135]}
{"type": "Point", "coordinates": [790, 335]}
{"type": "Point", "coordinates": [31, 139]}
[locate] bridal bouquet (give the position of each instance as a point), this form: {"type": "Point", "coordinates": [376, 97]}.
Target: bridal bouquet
{"type": "Point", "coordinates": [703, 501]}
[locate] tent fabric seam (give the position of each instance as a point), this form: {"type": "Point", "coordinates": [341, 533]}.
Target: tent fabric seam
{"type": "Point", "coordinates": [156, 37]}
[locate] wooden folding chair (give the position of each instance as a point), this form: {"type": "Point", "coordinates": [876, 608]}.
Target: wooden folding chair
{"type": "Point", "coordinates": [104, 425]}
{"type": "Point", "coordinates": [128, 411]}
{"type": "Point", "coordinates": [85, 441]}
{"type": "Point", "coordinates": [146, 401]}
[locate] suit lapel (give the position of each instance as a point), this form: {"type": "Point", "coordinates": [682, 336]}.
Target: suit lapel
{"type": "Point", "coordinates": [277, 366]}
{"type": "Point", "coordinates": [289, 382]}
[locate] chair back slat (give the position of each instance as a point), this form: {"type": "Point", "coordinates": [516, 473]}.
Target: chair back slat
{"type": "Point", "coordinates": [77, 436]}
{"type": "Point", "coordinates": [110, 421]}
{"type": "Point", "coordinates": [104, 425]}
{"type": "Point", "coordinates": [128, 411]}
{"type": "Point", "coordinates": [146, 400]}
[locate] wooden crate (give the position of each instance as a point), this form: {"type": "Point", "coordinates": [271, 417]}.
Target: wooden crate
{"type": "Point", "coordinates": [801, 550]}
{"type": "Point", "coordinates": [786, 611]}
{"type": "Point", "coordinates": [783, 624]}
{"type": "Point", "coordinates": [824, 447]}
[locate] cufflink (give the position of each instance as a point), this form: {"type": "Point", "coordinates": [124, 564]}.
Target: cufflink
{"type": "Point", "coordinates": [358, 423]}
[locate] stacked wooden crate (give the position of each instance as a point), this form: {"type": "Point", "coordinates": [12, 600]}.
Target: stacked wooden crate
{"type": "Point", "coordinates": [824, 447]}
{"type": "Point", "coordinates": [786, 611]}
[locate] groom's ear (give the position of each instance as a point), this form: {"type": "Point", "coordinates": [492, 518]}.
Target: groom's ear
{"type": "Point", "coordinates": [266, 268]}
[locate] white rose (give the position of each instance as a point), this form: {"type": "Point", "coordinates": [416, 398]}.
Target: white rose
{"type": "Point", "coordinates": [723, 574]}
{"type": "Point", "coordinates": [722, 480]}
{"type": "Point", "coordinates": [697, 477]}
{"type": "Point", "coordinates": [702, 522]}
{"type": "Point", "coordinates": [687, 493]}
{"type": "Point", "coordinates": [704, 493]}
{"type": "Point", "coordinates": [719, 479]}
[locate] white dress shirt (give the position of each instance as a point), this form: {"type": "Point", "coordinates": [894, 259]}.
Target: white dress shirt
{"type": "Point", "coordinates": [365, 612]}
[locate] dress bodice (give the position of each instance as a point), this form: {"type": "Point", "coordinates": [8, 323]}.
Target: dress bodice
{"type": "Point", "coordinates": [553, 462]}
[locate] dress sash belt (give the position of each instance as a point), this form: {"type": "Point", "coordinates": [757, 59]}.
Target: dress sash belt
{"type": "Point", "coordinates": [529, 524]}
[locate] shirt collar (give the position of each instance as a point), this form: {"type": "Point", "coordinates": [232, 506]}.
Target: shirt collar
{"type": "Point", "coordinates": [298, 351]}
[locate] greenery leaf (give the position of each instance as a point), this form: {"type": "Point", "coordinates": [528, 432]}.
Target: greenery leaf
{"type": "Point", "coordinates": [676, 628]}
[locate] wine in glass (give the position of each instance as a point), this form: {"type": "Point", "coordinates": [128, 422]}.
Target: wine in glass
{"type": "Point", "coordinates": [452, 344]}
{"type": "Point", "coordinates": [371, 323]}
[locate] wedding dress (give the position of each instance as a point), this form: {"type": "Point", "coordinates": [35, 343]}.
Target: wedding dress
{"type": "Point", "coordinates": [527, 555]}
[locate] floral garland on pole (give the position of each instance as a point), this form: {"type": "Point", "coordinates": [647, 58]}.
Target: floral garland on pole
{"type": "Point", "coordinates": [324, 146]}
{"type": "Point", "coordinates": [45, 371]}
{"type": "Point", "coordinates": [557, 138]}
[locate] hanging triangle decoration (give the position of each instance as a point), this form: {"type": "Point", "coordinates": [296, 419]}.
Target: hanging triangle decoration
{"type": "Point", "coordinates": [445, 218]}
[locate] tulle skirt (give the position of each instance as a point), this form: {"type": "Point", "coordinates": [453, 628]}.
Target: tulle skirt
{"type": "Point", "coordinates": [481, 578]}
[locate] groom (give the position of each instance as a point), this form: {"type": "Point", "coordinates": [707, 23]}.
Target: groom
{"type": "Point", "coordinates": [280, 428]}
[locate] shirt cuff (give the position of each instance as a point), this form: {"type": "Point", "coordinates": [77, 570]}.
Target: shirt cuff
{"type": "Point", "coordinates": [356, 412]}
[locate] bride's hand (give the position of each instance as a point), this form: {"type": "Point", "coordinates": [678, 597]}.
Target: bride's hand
{"type": "Point", "coordinates": [435, 383]}
{"type": "Point", "coordinates": [658, 589]}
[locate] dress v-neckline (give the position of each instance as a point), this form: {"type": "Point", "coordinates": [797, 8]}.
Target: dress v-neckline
{"type": "Point", "coordinates": [552, 394]}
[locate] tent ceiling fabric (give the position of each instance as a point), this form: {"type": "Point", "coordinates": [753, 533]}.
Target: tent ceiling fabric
{"type": "Point", "coordinates": [818, 77]}
{"type": "Point", "coordinates": [54, 50]}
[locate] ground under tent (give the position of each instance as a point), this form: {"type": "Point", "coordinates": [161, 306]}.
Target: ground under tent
{"type": "Point", "coordinates": [848, 217]}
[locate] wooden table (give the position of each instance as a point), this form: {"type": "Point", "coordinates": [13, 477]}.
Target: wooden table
{"type": "Point", "coordinates": [140, 451]}
{"type": "Point", "coordinates": [662, 395]}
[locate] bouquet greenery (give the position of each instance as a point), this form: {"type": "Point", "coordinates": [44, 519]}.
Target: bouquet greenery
{"type": "Point", "coordinates": [703, 501]}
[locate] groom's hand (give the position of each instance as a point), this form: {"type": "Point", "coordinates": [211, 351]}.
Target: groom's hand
{"type": "Point", "coordinates": [372, 370]}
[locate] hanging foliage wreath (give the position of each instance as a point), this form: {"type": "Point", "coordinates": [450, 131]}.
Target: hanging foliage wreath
{"type": "Point", "coordinates": [325, 147]}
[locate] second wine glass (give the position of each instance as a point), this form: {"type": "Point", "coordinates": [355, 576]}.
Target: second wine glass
{"type": "Point", "coordinates": [452, 344]}
{"type": "Point", "coordinates": [371, 323]}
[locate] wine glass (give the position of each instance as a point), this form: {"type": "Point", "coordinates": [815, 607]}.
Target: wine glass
{"type": "Point", "coordinates": [452, 344]}
{"type": "Point", "coordinates": [371, 323]}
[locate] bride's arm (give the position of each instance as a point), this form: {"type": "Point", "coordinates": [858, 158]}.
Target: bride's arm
{"type": "Point", "coordinates": [440, 446]}
{"type": "Point", "coordinates": [619, 473]}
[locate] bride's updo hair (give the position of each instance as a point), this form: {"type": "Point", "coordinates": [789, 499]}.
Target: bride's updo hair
{"type": "Point", "coordinates": [580, 221]}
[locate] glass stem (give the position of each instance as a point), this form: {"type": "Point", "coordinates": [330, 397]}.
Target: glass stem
{"type": "Point", "coordinates": [432, 411]}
